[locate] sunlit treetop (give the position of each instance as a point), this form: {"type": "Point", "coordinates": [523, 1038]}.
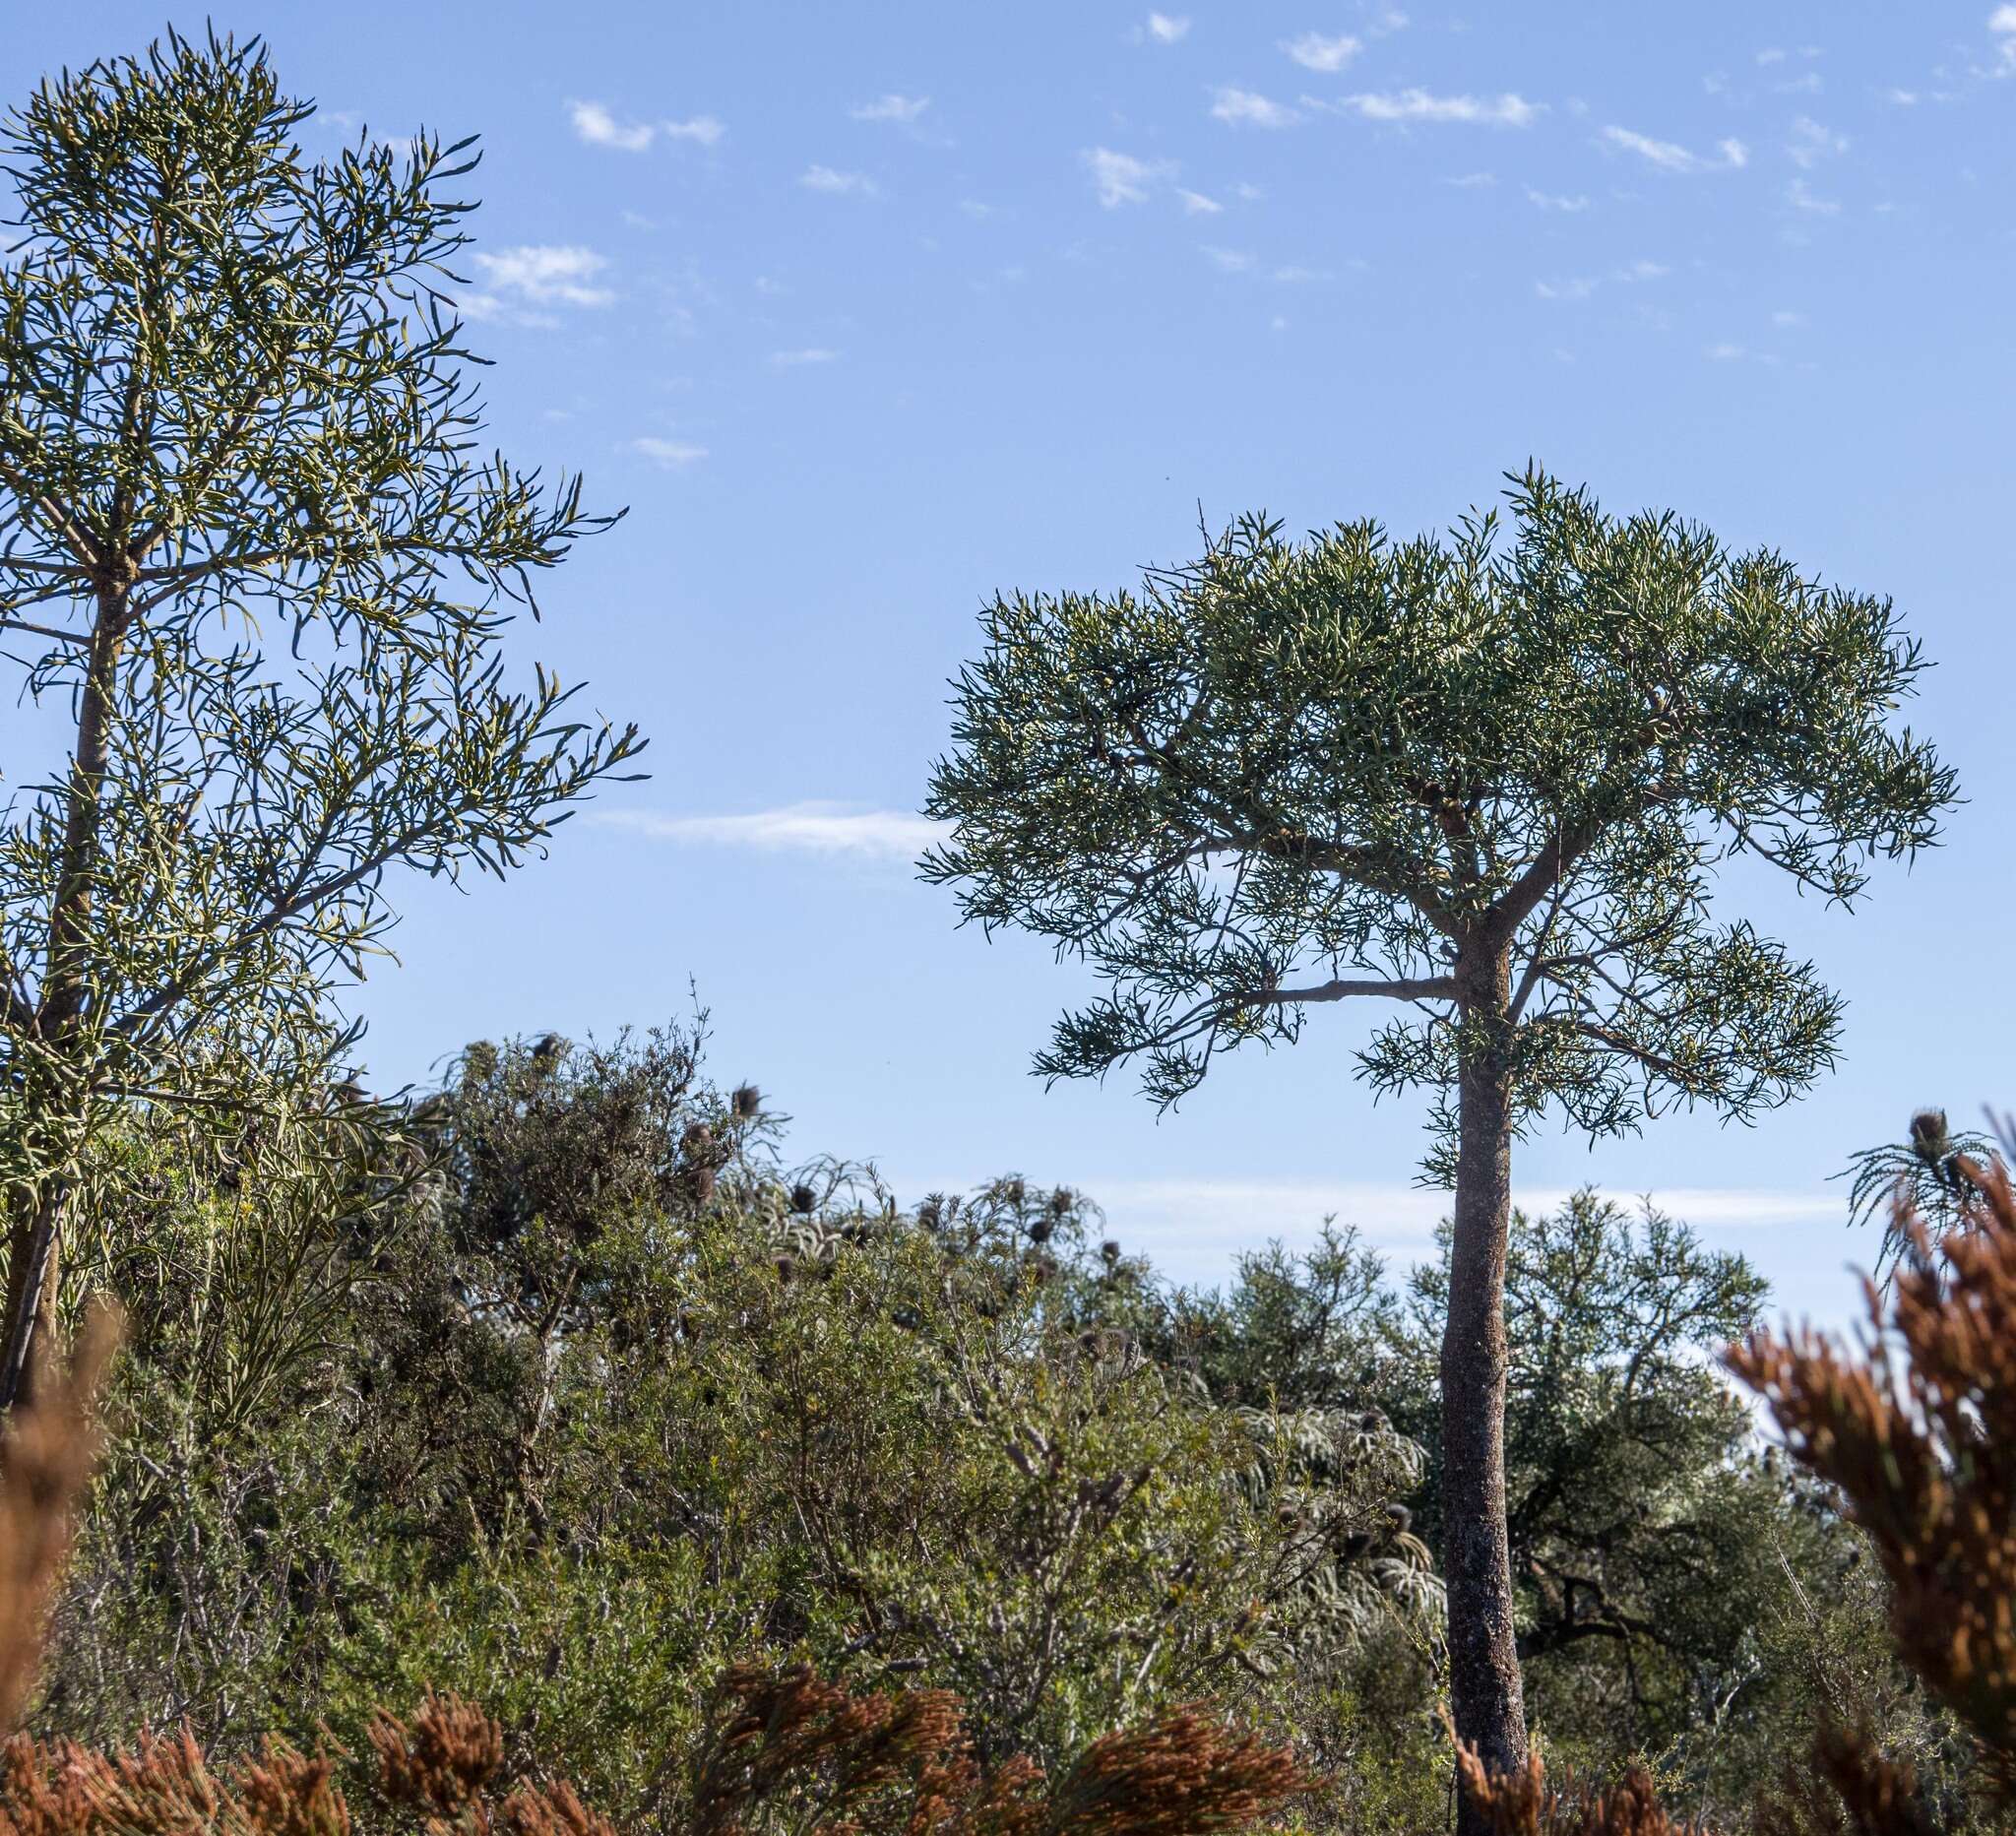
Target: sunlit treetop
{"type": "Point", "coordinates": [1490, 776]}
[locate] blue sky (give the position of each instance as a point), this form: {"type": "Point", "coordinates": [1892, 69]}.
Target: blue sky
{"type": "Point", "coordinates": [868, 311]}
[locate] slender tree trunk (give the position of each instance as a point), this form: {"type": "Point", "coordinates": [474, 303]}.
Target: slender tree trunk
{"type": "Point", "coordinates": [59, 1097]}
{"type": "Point", "coordinates": [1484, 1687]}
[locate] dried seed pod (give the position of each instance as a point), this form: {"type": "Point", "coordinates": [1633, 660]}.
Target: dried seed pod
{"type": "Point", "coordinates": [787, 1267]}
{"type": "Point", "coordinates": [1039, 1230]}
{"type": "Point", "coordinates": [1110, 1250]}
{"type": "Point", "coordinates": [805, 1199]}
{"type": "Point", "coordinates": [746, 1102]}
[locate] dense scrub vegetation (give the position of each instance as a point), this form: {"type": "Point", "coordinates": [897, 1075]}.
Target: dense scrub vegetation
{"type": "Point", "coordinates": [564, 1392]}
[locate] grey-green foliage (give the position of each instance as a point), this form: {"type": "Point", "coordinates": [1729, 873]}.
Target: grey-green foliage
{"type": "Point", "coordinates": [252, 549]}
{"type": "Point", "coordinates": [610, 1396]}
{"type": "Point", "coordinates": [1289, 773]}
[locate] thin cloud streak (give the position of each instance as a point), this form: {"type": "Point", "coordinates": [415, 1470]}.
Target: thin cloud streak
{"type": "Point", "coordinates": [1191, 1230]}
{"type": "Point", "coordinates": [1509, 110]}
{"type": "Point", "coordinates": [902, 110]}
{"type": "Point", "coordinates": [815, 828]}
{"type": "Point", "coordinates": [1671, 156]}
{"type": "Point", "coordinates": [823, 178]}
{"type": "Point", "coordinates": [672, 455]}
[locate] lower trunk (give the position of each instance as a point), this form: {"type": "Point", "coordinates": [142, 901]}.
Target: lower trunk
{"type": "Point", "coordinates": [34, 1252]}
{"type": "Point", "coordinates": [1485, 1694]}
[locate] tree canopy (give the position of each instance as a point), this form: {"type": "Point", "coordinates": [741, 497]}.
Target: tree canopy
{"type": "Point", "coordinates": [1287, 773]}
{"type": "Point", "coordinates": [235, 408]}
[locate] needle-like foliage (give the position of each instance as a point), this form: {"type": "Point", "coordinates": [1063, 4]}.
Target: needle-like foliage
{"type": "Point", "coordinates": [1485, 779]}
{"type": "Point", "coordinates": [254, 567]}
{"type": "Point", "coordinates": [1289, 773]}
{"type": "Point", "coordinates": [1488, 780]}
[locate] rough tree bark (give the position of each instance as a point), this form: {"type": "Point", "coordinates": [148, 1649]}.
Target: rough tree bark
{"type": "Point", "coordinates": [36, 1241]}
{"type": "Point", "coordinates": [1485, 1686]}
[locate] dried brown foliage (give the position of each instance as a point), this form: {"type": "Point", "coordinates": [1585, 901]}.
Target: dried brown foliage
{"type": "Point", "coordinates": [790, 1749]}
{"type": "Point", "coordinates": [165, 1788]}
{"type": "Point", "coordinates": [46, 1456]}
{"type": "Point", "coordinates": [788, 1752]}
{"type": "Point", "coordinates": [1918, 1428]}
{"type": "Point", "coordinates": [436, 1774]}
{"type": "Point", "coordinates": [438, 1763]}
{"type": "Point", "coordinates": [1522, 1803]}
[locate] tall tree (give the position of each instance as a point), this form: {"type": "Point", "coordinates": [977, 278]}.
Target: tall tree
{"type": "Point", "coordinates": [232, 396]}
{"type": "Point", "coordinates": [1488, 781]}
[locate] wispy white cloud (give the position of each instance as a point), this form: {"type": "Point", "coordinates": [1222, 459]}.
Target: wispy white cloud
{"type": "Point", "coordinates": [1196, 203]}
{"type": "Point", "coordinates": [1246, 108]}
{"type": "Point", "coordinates": [1194, 1228]}
{"type": "Point", "coordinates": [1313, 51]}
{"type": "Point", "coordinates": [816, 828]}
{"type": "Point", "coordinates": [838, 184]}
{"type": "Point", "coordinates": [599, 128]}
{"type": "Point", "coordinates": [1554, 201]}
{"type": "Point", "coordinates": [2002, 30]}
{"type": "Point", "coordinates": [1503, 112]}
{"type": "Point", "coordinates": [702, 130]}
{"type": "Point", "coordinates": [1787, 320]}
{"type": "Point", "coordinates": [1472, 181]}
{"type": "Point", "coordinates": [673, 454]}
{"type": "Point", "coordinates": [1120, 178]}
{"type": "Point", "coordinates": [1228, 261]}
{"type": "Point", "coordinates": [1579, 286]}
{"type": "Point", "coordinates": [1725, 354]}
{"type": "Point", "coordinates": [1811, 143]}
{"type": "Point", "coordinates": [1801, 196]}
{"type": "Point", "coordinates": [798, 359]}
{"type": "Point", "coordinates": [902, 110]}
{"type": "Point", "coordinates": [1671, 156]}
{"type": "Point", "coordinates": [541, 275]}
{"type": "Point", "coordinates": [1168, 28]}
